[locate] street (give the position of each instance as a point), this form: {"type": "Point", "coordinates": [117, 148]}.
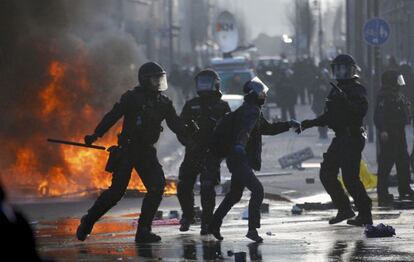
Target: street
{"type": "Point", "coordinates": [287, 237]}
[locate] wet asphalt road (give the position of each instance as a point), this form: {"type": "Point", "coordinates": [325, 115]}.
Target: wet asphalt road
{"type": "Point", "coordinates": [287, 237]}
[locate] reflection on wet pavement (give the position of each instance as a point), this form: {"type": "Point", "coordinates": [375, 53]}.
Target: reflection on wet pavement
{"type": "Point", "coordinates": [287, 237]}
{"type": "Point", "coordinates": [361, 250]}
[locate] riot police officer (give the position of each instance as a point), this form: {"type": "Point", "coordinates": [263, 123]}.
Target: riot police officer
{"type": "Point", "coordinates": [205, 110]}
{"type": "Point", "coordinates": [345, 108]}
{"type": "Point", "coordinates": [390, 117]}
{"type": "Point", "coordinates": [245, 156]}
{"type": "Point", "coordinates": [143, 110]}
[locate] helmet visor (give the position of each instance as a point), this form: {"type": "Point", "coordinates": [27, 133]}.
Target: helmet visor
{"type": "Point", "coordinates": [159, 82]}
{"type": "Point", "coordinates": [400, 80]}
{"type": "Point", "coordinates": [341, 71]}
{"type": "Point", "coordinates": [205, 83]}
{"type": "Point", "coordinates": [258, 86]}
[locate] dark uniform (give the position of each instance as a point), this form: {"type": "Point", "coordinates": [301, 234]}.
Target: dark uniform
{"type": "Point", "coordinates": [143, 111]}
{"type": "Point", "coordinates": [344, 112]}
{"type": "Point", "coordinates": [320, 92]}
{"type": "Point", "coordinates": [205, 111]}
{"type": "Point", "coordinates": [391, 116]}
{"type": "Point", "coordinates": [286, 94]}
{"type": "Point", "coordinates": [249, 126]}
{"type": "Point", "coordinates": [408, 91]}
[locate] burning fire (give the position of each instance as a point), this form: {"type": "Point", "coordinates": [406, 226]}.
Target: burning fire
{"type": "Point", "coordinates": [80, 170]}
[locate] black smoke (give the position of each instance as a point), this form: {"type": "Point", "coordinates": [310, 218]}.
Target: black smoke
{"type": "Point", "coordinates": [87, 37]}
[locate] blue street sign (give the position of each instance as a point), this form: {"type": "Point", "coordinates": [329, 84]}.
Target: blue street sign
{"type": "Point", "coordinates": [376, 31]}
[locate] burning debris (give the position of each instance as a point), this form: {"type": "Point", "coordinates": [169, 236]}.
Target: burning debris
{"type": "Point", "coordinates": [60, 73]}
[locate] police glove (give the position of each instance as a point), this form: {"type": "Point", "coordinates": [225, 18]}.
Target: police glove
{"type": "Point", "coordinates": [89, 139]}
{"type": "Point", "coordinates": [305, 124]}
{"type": "Point", "coordinates": [240, 149]}
{"type": "Point", "coordinates": [294, 124]}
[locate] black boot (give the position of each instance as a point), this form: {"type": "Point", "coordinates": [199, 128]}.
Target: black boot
{"type": "Point", "coordinates": [185, 224]}
{"type": "Point", "coordinates": [363, 218]}
{"type": "Point", "coordinates": [386, 200]}
{"type": "Point", "coordinates": [204, 229]}
{"type": "Point", "coordinates": [84, 228]}
{"type": "Point", "coordinates": [407, 195]}
{"type": "Point", "coordinates": [215, 231]}
{"type": "Point", "coordinates": [146, 236]}
{"type": "Point", "coordinates": [341, 216]}
{"type": "Point", "coordinates": [253, 235]}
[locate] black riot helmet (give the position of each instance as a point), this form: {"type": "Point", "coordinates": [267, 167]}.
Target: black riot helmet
{"type": "Point", "coordinates": [256, 90]}
{"type": "Point", "coordinates": [392, 79]}
{"type": "Point", "coordinates": [153, 77]}
{"type": "Point", "coordinates": [207, 82]}
{"type": "Point", "coordinates": [344, 67]}
{"type": "Point", "coordinates": [405, 68]}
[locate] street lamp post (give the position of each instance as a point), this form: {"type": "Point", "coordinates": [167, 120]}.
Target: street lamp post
{"type": "Point", "coordinates": [318, 6]}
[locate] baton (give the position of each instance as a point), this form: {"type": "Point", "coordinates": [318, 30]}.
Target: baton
{"type": "Point", "coordinates": [336, 87]}
{"type": "Point", "coordinates": [58, 141]}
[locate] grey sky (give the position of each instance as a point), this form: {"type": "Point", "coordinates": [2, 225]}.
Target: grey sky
{"type": "Point", "coordinates": [267, 16]}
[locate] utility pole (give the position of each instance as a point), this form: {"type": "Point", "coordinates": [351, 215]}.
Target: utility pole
{"type": "Point", "coordinates": [297, 31]}
{"type": "Point", "coordinates": [370, 74]}
{"type": "Point", "coordinates": [318, 6]}
{"type": "Point", "coordinates": [170, 33]}
{"type": "Point", "coordinates": [320, 35]}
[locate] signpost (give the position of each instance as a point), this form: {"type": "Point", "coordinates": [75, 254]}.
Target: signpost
{"type": "Point", "coordinates": [226, 32]}
{"type": "Point", "coordinates": [376, 31]}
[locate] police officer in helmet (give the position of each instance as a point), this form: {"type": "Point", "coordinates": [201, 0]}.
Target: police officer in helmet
{"type": "Point", "coordinates": [345, 109]}
{"type": "Point", "coordinates": [205, 110]}
{"type": "Point", "coordinates": [390, 117]}
{"type": "Point", "coordinates": [143, 109]}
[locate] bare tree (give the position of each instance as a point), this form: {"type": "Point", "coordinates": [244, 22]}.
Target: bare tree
{"type": "Point", "coordinates": [337, 28]}
{"type": "Point", "coordinates": [303, 23]}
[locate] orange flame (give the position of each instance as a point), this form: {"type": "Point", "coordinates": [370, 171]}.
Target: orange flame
{"type": "Point", "coordinates": [83, 169]}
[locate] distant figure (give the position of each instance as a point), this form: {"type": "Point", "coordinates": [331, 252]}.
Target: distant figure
{"type": "Point", "coordinates": [391, 116]}
{"type": "Point", "coordinates": [408, 91]}
{"type": "Point", "coordinates": [285, 94]}
{"type": "Point", "coordinates": [321, 91]}
{"type": "Point", "coordinates": [299, 70]}
{"type": "Point", "coordinates": [391, 63]}
{"type": "Point", "coordinates": [235, 86]}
